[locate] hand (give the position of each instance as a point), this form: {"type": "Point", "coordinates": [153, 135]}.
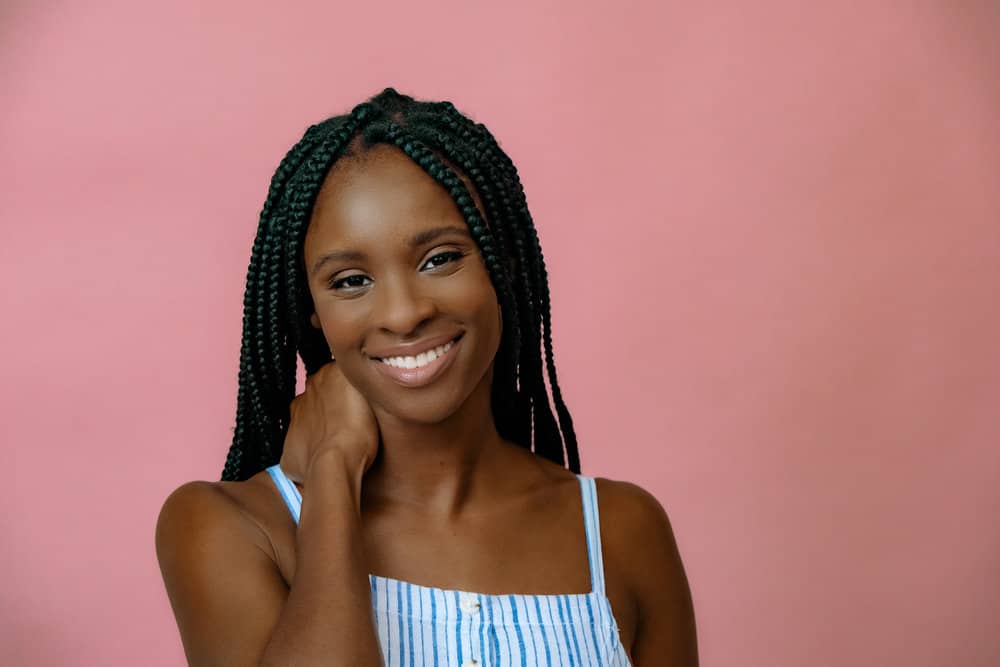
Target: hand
{"type": "Point", "coordinates": [329, 415]}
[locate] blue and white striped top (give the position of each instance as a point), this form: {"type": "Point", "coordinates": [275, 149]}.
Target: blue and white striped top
{"type": "Point", "coordinates": [423, 626]}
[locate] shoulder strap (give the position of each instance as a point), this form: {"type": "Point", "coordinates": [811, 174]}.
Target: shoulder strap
{"type": "Point", "coordinates": [288, 491]}
{"type": "Point", "coordinates": [592, 523]}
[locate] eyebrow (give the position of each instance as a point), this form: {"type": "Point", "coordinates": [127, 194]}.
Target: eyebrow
{"type": "Point", "coordinates": [418, 239]}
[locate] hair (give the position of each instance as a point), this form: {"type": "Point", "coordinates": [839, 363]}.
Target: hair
{"type": "Point", "coordinates": [453, 150]}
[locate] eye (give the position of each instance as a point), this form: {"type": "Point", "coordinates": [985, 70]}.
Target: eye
{"type": "Point", "coordinates": [343, 282]}
{"type": "Point", "coordinates": [443, 258]}
{"type": "Point", "coordinates": [356, 281]}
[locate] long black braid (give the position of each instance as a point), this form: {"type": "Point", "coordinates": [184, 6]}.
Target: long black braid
{"type": "Point", "coordinates": [277, 304]}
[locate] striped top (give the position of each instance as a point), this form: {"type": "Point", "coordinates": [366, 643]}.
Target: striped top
{"type": "Point", "coordinates": [420, 626]}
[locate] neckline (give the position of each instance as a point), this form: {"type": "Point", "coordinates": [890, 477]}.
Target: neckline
{"type": "Point", "coordinates": [276, 472]}
{"type": "Point", "coordinates": [489, 596]}
{"type": "Point", "coordinates": [455, 598]}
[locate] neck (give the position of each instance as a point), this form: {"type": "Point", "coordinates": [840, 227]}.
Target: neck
{"type": "Point", "coordinates": [441, 468]}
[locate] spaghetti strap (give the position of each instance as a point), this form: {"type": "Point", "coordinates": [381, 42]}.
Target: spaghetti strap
{"type": "Point", "coordinates": [592, 523]}
{"type": "Point", "coordinates": [565, 630]}
{"type": "Point", "coordinates": [287, 489]}
{"type": "Point", "coordinates": [591, 519]}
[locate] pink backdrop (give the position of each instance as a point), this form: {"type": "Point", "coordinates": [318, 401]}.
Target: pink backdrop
{"type": "Point", "coordinates": [774, 239]}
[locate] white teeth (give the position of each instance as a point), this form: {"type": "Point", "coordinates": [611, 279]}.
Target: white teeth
{"type": "Point", "coordinates": [421, 359]}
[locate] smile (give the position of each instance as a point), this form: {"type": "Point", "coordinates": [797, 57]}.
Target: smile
{"type": "Point", "coordinates": [421, 359]}
{"type": "Point", "coordinates": [422, 369]}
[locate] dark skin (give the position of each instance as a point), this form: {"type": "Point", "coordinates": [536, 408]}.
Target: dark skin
{"type": "Point", "coordinates": [445, 501]}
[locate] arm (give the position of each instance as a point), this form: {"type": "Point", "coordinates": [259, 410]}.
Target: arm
{"type": "Point", "coordinates": [328, 617]}
{"type": "Point", "coordinates": [230, 601]}
{"type": "Point", "coordinates": [665, 634]}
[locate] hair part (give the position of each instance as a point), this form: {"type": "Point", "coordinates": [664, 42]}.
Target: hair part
{"type": "Point", "coordinates": [277, 305]}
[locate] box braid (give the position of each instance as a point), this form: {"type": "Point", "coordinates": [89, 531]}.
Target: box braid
{"type": "Point", "coordinates": [277, 304]}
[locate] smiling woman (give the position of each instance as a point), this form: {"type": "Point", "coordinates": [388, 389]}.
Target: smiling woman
{"type": "Point", "coordinates": [421, 502]}
{"type": "Point", "coordinates": [389, 248]}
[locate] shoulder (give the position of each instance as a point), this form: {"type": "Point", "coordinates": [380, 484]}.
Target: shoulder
{"type": "Point", "coordinates": [202, 514]}
{"type": "Point", "coordinates": [219, 570]}
{"type": "Point", "coordinates": [632, 510]}
{"type": "Point", "coordinates": [636, 530]}
{"type": "Point", "coordinates": [639, 544]}
{"type": "Point", "coordinates": [194, 505]}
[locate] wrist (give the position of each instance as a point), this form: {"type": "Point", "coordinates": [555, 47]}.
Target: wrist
{"type": "Point", "coordinates": [332, 464]}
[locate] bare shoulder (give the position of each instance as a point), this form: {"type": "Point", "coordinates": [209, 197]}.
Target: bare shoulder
{"type": "Point", "coordinates": [640, 548]}
{"type": "Point", "coordinates": [191, 510]}
{"type": "Point", "coordinates": [219, 570]}
{"type": "Point", "coordinates": [638, 539]}
{"type": "Point", "coordinates": [199, 511]}
{"type": "Point", "coordinates": [634, 510]}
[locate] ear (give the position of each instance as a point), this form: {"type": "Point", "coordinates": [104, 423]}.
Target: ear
{"type": "Point", "coordinates": [314, 321]}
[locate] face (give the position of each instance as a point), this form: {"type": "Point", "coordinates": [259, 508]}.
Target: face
{"type": "Point", "coordinates": [394, 271]}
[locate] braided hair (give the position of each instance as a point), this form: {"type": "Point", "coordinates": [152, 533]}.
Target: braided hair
{"type": "Point", "coordinates": [453, 150]}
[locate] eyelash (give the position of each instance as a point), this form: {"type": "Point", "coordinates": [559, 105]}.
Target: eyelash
{"type": "Point", "coordinates": [454, 254]}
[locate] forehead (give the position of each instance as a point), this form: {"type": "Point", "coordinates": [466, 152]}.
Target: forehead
{"type": "Point", "coordinates": [379, 196]}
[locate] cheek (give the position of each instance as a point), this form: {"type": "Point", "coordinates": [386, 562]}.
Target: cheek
{"type": "Point", "coordinates": [476, 302]}
{"type": "Point", "coordinates": [335, 326]}
{"type": "Point", "coordinates": [489, 328]}
{"type": "Point", "coordinates": [482, 299]}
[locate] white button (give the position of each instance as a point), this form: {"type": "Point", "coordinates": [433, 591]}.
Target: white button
{"type": "Point", "coordinates": [469, 604]}
{"type": "Point", "coordinates": [470, 663]}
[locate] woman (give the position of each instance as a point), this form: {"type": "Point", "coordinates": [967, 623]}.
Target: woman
{"type": "Point", "coordinates": [418, 503]}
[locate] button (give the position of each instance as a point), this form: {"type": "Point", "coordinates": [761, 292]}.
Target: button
{"type": "Point", "coordinates": [469, 604]}
{"type": "Point", "coordinates": [470, 663]}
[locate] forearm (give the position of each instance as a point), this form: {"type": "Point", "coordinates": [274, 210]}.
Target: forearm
{"type": "Point", "coordinates": [327, 618]}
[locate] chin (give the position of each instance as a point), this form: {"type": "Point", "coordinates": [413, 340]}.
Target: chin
{"type": "Point", "coordinates": [432, 405]}
{"type": "Point", "coordinates": [427, 409]}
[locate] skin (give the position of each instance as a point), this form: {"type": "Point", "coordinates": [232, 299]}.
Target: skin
{"type": "Point", "coordinates": [446, 502]}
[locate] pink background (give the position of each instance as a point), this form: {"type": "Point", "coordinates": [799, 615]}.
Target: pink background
{"type": "Point", "coordinates": [774, 239]}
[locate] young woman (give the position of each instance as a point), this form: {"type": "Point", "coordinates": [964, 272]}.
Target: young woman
{"type": "Point", "coordinates": [419, 503]}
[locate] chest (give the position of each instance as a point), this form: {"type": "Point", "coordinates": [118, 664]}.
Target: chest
{"type": "Point", "coordinates": [532, 562]}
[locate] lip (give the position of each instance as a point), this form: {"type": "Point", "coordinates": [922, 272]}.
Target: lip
{"type": "Point", "coordinates": [418, 377]}
{"type": "Point", "coordinates": [412, 349]}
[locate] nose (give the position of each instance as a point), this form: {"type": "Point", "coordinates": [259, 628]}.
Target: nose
{"type": "Point", "coordinates": [402, 306]}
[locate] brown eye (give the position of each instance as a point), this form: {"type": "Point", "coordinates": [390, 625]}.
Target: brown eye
{"type": "Point", "coordinates": [343, 282]}
{"type": "Point", "coordinates": [443, 258]}
{"type": "Point", "coordinates": [356, 281]}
